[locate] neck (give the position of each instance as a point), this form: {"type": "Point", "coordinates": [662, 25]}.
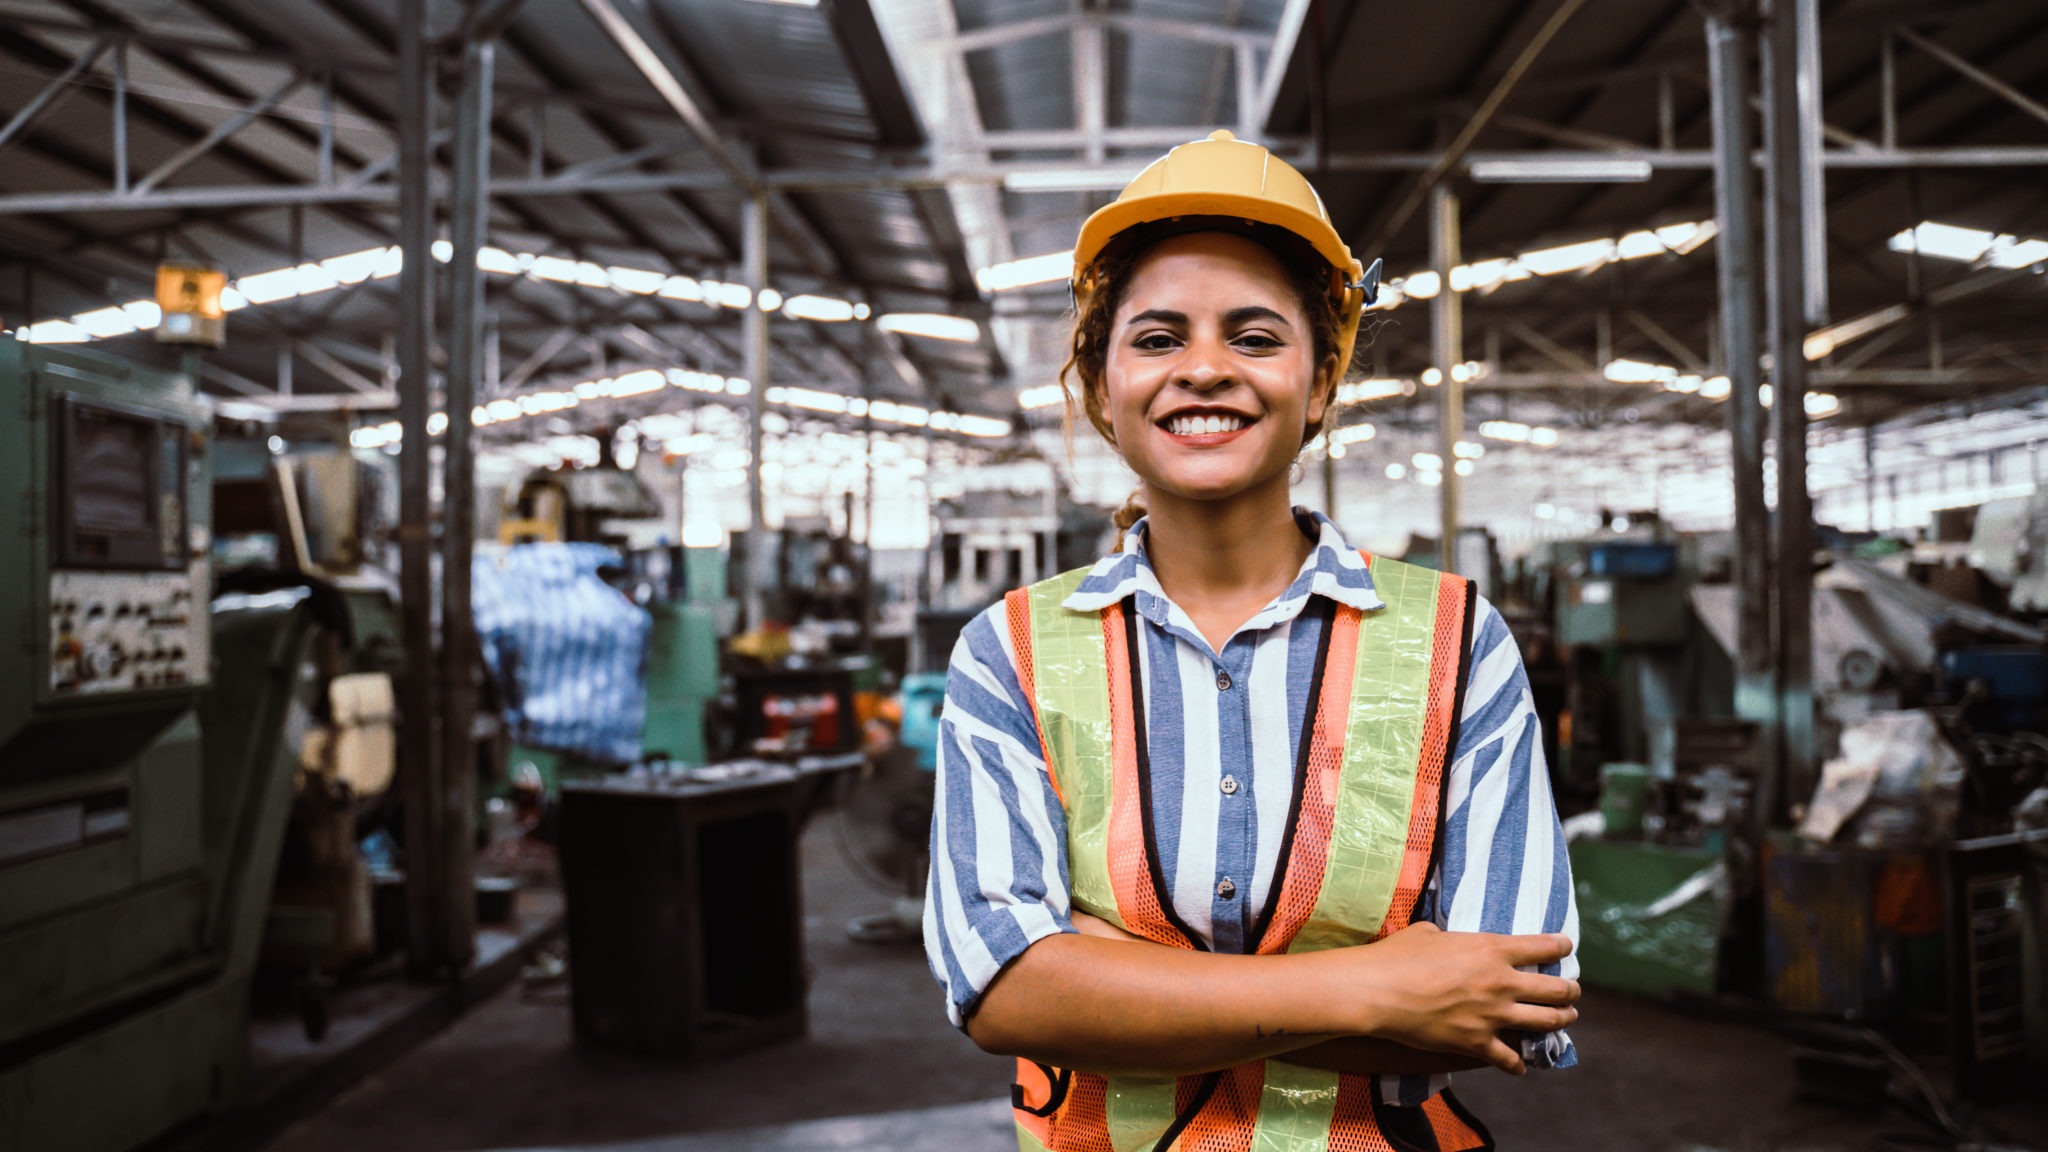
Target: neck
{"type": "Point", "coordinates": [1225, 553]}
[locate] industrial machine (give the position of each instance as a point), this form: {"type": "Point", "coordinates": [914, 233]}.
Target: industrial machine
{"type": "Point", "coordinates": [143, 780]}
{"type": "Point", "coordinates": [682, 654]}
{"type": "Point", "coordinates": [1631, 655]}
{"type": "Point", "coordinates": [578, 504]}
{"type": "Point", "coordinates": [305, 513]}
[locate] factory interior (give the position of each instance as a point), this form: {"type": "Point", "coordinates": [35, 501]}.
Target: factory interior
{"type": "Point", "coordinates": [592, 426]}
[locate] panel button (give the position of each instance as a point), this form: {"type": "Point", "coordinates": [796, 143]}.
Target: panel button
{"type": "Point", "coordinates": [1229, 785]}
{"type": "Point", "coordinates": [1223, 681]}
{"type": "Point", "coordinates": [1226, 890]}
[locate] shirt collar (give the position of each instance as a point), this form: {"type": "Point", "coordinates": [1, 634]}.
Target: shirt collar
{"type": "Point", "coordinates": [1333, 569]}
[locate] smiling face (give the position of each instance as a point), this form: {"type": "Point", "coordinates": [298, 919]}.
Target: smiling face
{"type": "Point", "coordinates": [1211, 375]}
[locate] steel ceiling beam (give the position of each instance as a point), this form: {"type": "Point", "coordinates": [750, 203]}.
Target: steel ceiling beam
{"type": "Point", "coordinates": [1190, 31]}
{"type": "Point", "coordinates": [487, 18]}
{"type": "Point", "coordinates": [242, 118]}
{"type": "Point", "coordinates": [58, 88]}
{"type": "Point", "coordinates": [331, 364]}
{"type": "Point", "coordinates": [1286, 38]}
{"type": "Point", "coordinates": [1979, 76]}
{"type": "Point", "coordinates": [633, 34]}
{"type": "Point", "coordinates": [915, 177]}
{"type": "Point", "coordinates": [1481, 117]}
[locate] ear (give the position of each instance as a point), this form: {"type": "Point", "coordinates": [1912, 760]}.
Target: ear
{"type": "Point", "coordinates": [1323, 390]}
{"type": "Point", "coordinates": [1095, 405]}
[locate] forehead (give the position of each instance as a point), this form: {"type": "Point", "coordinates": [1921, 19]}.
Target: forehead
{"type": "Point", "coordinates": [1199, 266]}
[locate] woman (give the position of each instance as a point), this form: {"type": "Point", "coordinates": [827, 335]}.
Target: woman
{"type": "Point", "coordinates": [1205, 810]}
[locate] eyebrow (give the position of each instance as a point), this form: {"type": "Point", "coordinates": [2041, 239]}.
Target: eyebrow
{"type": "Point", "coordinates": [1159, 316]}
{"type": "Point", "coordinates": [1245, 315]}
{"type": "Point", "coordinates": [1231, 319]}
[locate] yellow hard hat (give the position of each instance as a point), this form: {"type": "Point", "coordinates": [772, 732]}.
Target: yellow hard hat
{"type": "Point", "coordinates": [1225, 176]}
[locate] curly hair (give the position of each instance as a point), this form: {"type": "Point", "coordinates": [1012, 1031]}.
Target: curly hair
{"type": "Point", "coordinates": [1088, 350]}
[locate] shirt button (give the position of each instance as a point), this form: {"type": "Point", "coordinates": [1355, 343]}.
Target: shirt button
{"type": "Point", "coordinates": [1226, 890]}
{"type": "Point", "coordinates": [1229, 785]}
{"type": "Point", "coordinates": [1223, 681]}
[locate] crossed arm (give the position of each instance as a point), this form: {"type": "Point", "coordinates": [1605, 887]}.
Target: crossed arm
{"type": "Point", "coordinates": [1420, 1001]}
{"type": "Point", "coordinates": [1423, 1000]}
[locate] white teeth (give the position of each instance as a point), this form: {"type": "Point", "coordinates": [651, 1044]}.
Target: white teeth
{"type": "Point", "coordinates": [1204, 425]}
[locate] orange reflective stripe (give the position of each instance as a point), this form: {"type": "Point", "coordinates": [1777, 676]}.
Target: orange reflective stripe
{"type": "Point", "coordinates": [1130, 872]}
{"type": "Point", "coordinates": [1230, 1118]}
{"type": "Point", "coordinates": [1037, 1091]}
{"type": "Point", "coordinates": [1352, 1127]}
{"type": "Point", "coordinates": [1083, 1124]}
{"type": "Point", "coordinates": [1452, 1133]}
{"type": "Point", "coordinates": [1017, 609]}
{"type": "Point", "coordinates": [1439, 724]}
{"type": "Point", "coordinates": [1308, 857]}
{"type": "Point", "coordinates": [1414, 667]}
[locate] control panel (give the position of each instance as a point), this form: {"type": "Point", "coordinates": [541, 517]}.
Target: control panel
{"type": "Point", "coordinates": [117, 632]}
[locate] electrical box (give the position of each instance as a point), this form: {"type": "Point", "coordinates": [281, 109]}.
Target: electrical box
{"type": "Point", "coordinates": [107, 466]}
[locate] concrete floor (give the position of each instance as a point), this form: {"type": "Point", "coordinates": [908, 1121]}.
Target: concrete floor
{"type": "Point", "coordinates": [882, 1069]}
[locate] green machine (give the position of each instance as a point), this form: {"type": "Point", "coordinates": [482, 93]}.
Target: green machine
{"type": "Point", "coordinates": [682, 659]}
{"type": "Point", "coordinates": [144, 780]}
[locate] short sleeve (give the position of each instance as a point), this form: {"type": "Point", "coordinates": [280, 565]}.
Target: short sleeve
{"type": "Point", "coordinates": [1503, 862]}
{"type": "Point", "coordinates": [998, 847]}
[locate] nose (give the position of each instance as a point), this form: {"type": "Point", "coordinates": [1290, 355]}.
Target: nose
{"type": "Point", "coordinates": [1205, 366]}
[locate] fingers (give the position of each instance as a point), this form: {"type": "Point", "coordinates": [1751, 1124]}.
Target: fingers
{"type": "Point", "coordinates": [1537, 1018]}
{"type": "Point", "coordinates": [1503, 1056]}
{"type": "Point", "coordinates": [1531, 988]}
{"type": "Point", "coordinates": [1525, 951]}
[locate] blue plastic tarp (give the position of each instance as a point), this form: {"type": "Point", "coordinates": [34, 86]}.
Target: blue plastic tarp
{"type": "Point", "coordinates": [566, 648]}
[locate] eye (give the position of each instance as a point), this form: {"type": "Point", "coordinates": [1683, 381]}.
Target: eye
{"type": "Point", "coordinates": [1155, 342]}
{"type": "Point", "coordinates": [1258, 342]}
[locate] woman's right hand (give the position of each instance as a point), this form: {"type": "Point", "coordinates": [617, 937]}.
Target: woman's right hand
{"type": "Point", "coordinates": [1455, 992]}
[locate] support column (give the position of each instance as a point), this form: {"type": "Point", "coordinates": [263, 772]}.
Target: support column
{"type": "Point", "coordinates": [470, 209]}
{"type": "Point", "coordinates": [1447, 349]}
{"type": "Point", "coordinates": [1730, 45]}
{"type": "Point", "coordinates": [1796, 303]}
{"type": "Point", "coordinates": [1091, 87]}
{"type": "Point", "coordinates": [419, 749]}
{"type": "Point", "coordinates": [120, 99]}
{"type": "Point", "coordinates": [754, 253]}
{"type": "Point", "coordinates": [1329, 474]}
{"type": "Point", "coordinates": [868, 368]}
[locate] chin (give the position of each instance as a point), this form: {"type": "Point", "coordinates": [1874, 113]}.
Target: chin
{"type": "Point", "coordinates": [1210, 489]}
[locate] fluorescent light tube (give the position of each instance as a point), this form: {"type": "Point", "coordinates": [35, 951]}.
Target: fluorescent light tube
{"type": "Point", "coordinates": [1573, 170]}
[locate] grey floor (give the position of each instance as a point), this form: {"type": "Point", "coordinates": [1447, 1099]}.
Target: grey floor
{"type": "Point", "coordinates": [882, 1069]}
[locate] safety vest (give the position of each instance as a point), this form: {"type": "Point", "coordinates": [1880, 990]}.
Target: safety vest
{"type": "Point", "coordinates": [1360, 841]}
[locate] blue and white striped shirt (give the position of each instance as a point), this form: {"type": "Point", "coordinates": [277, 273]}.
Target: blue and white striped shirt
{"type": "Point", "coordinates": [999, 862]}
